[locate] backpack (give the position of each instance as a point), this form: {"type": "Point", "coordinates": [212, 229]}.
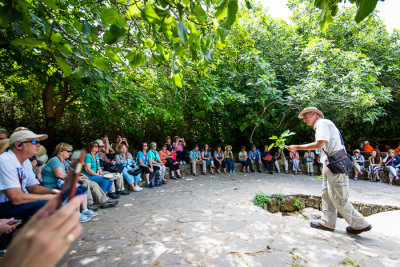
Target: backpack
{"type": "Point", "coordinates": [155, 179]}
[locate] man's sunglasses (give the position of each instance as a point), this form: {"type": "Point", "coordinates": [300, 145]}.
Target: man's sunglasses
{"type": "Point", "coordinates": [69, 151]}
{"type": "Point", "coordinates": [33, 142]}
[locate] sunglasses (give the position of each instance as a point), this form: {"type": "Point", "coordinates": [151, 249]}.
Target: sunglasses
{"type": "Point", "coordinates": [69, 151]}
{"type": "Point", "coordinates": [33, 142]}
{"type": "Point", "coordinates": [144, 145]}
{"type": "Point", "coordinates": [95, 146]}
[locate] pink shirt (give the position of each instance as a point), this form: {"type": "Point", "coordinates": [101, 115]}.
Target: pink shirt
{"type": "Point", "coordinates": [179, 147]}
{"type": "Point", "coordinates": [294, 155]}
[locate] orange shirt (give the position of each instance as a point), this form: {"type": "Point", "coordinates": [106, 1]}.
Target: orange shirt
{"type": "Point", "coordinates": [368, 148]}
{"type": "Point", "coordinates": [397, 150]}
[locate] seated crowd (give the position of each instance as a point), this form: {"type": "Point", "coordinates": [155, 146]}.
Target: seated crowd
{"type": "Point", "coordinates": [28, 179]}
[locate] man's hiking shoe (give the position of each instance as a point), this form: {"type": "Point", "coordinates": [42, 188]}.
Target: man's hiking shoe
{"type": "Point", "coordinates": [353, 231]}
{"type": "Point", "coordinates": [318, 225]}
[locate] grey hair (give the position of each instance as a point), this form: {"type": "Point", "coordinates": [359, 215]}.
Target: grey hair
{"type": "Point", "coordinates": [152, 144]}
{"type": "Point", "coordinates": [12, 146]}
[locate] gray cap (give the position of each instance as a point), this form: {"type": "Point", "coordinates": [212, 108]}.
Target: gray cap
{"type": "Point", "coordinates": [25, 134]}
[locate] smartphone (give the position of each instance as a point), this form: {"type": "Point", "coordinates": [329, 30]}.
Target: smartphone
{"type": "Point", "coordinates": [69, 189]}
{"type": "Point", "coordinates": [14, 222]}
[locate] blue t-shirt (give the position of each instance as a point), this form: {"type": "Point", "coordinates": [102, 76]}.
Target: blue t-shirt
{"type": "Point", "coordinates": [141, 155]}
{"type": "Point", "coordinates": [393, 162]}
{"type": "Point", "coordinates": [153, 155]}
{"type": "Point", "coordinates": [49, 179]}
{"type": "Point", "coordinates": [254, 155]}
{"type": "Point", "coordinates": [94, 163]}
{"type": "Point", "coordinates": [195, 155]}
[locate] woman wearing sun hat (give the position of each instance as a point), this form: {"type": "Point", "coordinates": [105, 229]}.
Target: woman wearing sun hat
{"type": "Point", "coordinates": [229, 159]}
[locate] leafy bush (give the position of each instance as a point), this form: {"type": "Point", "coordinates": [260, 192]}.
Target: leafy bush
{"type": "Point", "coordinates": [279, 198]}
{"type": "Point", "coordinates": [261, 199]}
{"type": "Point", "coordinates": [299, 204]}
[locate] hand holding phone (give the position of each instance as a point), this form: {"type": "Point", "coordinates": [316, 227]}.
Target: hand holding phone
{"type": "Point", "coordinates": [14, 222]}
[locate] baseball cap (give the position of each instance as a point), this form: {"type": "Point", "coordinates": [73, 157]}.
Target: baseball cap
{"type": "Point", "coordinates": [25, 134]}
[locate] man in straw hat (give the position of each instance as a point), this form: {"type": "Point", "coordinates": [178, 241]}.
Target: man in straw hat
{"type": "Point", "coordinates": [20, 193]}
{"type": "Point", "coordinates": [335, 188]}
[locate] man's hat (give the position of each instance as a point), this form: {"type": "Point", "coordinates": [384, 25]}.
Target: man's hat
{"type": "Point", "coordinates": [25, 134]}
{"type": "Point", "coordinates": [310, 109]}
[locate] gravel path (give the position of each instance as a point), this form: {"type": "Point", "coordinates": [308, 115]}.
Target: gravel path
{"type": "Point", "coordinates": [211, 221]}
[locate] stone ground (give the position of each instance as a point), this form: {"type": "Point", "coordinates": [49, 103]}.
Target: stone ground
{"type": "Point", "coordinates": [211, 221]}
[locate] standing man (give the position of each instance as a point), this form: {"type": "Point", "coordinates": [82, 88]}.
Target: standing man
{"type": "Point", "coordinates": [20, 193]}
{"type": "Point", "coordinates": [335, 188]}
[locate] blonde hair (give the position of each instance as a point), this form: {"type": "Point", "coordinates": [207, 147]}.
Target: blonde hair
{"type": "Point", "coordinates": [119, 148]}
{"type": "Point", "coordinates": [62, 147]}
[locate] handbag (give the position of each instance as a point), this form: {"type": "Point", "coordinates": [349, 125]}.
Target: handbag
{"type": "Point", "coordinates": [134, 172]}
{"type": "Point", "coordinates": [340, 161]}
{"type": "Point", "coordinates": [117, 168]}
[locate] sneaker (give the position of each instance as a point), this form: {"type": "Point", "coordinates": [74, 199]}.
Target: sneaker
{"type": "Point", "coordinates": [173, 178]}
{"type": "Point", "coordinates": [109, 203]}
{"type": "Point", "coordinates": [93, 207]}
{"type": "Point", "coordinates": [390, 183]}
{"type": "Point", "coordinates": [123, 193]}
{"type": "Point", "coordinates": [89, 213]}
{"type": "Point", "coordinates": [287, 172]}
{"type": "Point", "coordinates": [355, 178]}
{"type": "Point", "coordinates": [278, 172]}
{"type": "Point", "coordinates": [271, 172]}
{"type": "Point", "coordinates": [84, 218]}
{"type": "Point", "coordinates": [184, 162]}
{"type": "Point", "coordinates": [311, 174]}
{"type": "Point", "coordinates": [259, 171]}
{"type": "Point", "coordinates": [137, 188]}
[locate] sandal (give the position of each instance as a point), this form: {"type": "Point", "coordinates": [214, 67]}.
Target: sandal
{"type": "Point", "coordinates": [179, 176]}
{"type": "Point", "coordinates": [173, 178]}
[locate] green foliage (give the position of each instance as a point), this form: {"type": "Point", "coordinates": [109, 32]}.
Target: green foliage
{"type": "Point", "coordinates": [330, 8]}
{"type": "Point", "coordinates": [261, 199]}
{"type": "Point", "coordinates": [299, 204]}
{"type": "Point", "coordinates": [278, 198]}
{"type": "Point", "coordinates": [280, 141]}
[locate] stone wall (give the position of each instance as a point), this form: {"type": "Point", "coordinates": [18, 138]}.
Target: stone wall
{"type": "Point", "coordinates": [186, 170]}
{"type": "Point", "coordinates": [292, 203]}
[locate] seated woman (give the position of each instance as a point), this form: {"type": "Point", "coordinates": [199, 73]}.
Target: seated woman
{"type": "Point", "coordinates": [195, 159]}
{"type": "Point", "coordinates": [155, 160]}
{"type": "Point", "coordinates": [244, 159]}
{"type": "Point", "coordinates": [219, 159]}
{"type": "Point", "coordinates": [167, 159]}
{"type": "Point", "coordinates": [295, 158]}
{"type": "Point", "coordinates": [320, 163]}
{"type": "Point", "coordinates": [375, 166]}
{"type": "Point", "coordinates": [169, 144]}
{"type": "Point", "coordinates": [146, 166]}
{"type": "Point", "coordinates": [280, 159]}
{"type": "Point", "coordinates": [266, 158]}
{"type": "Point", "coordinates": [309, 156]}
{"type": "Point", "coordinates": [93, 171]}
{"type": "Point", "coordinates": [358, 161]}
{"type": "Point", "coordinates": [207, 159]}
{"type": "Point", "coordinates": [55, 171]}
{"type": "Point", "coordinates": [229, 159]}
{"type": "Point", "coordinates": [125, 159]}
{"type": "Point", "coordinates": [179, 144]}
{"type": "Point", "coordinates": [392, 165]}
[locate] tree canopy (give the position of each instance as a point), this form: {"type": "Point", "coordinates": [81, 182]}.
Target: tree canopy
{"type": "Point", "coordinates": [212, 71]}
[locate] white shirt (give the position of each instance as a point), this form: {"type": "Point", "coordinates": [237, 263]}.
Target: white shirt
{"type": "Point", "coordinates": [327, 131]}
{"type": "Point", "coordinates": [11, 171]}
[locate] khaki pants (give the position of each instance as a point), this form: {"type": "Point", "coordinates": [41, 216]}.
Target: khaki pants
{"type": "Point", "coordinates": [118, 184]}
{"type": "Point", "coordinates": [199, 162]}
{"type": "Point", "coordinates": [335, 198]}
{"type": "Point", "coordinates": [94, 192]}
{"type": "Point", "coordinates": [255, 164]}
{"type": "Point", "coordinates": [310, 167]}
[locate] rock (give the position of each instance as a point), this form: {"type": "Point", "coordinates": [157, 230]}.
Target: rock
{"type": "Point", "coordinates": [311, 213]}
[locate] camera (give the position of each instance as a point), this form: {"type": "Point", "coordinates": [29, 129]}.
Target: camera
{"type": "Point", "coordinates": [39, 163]}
